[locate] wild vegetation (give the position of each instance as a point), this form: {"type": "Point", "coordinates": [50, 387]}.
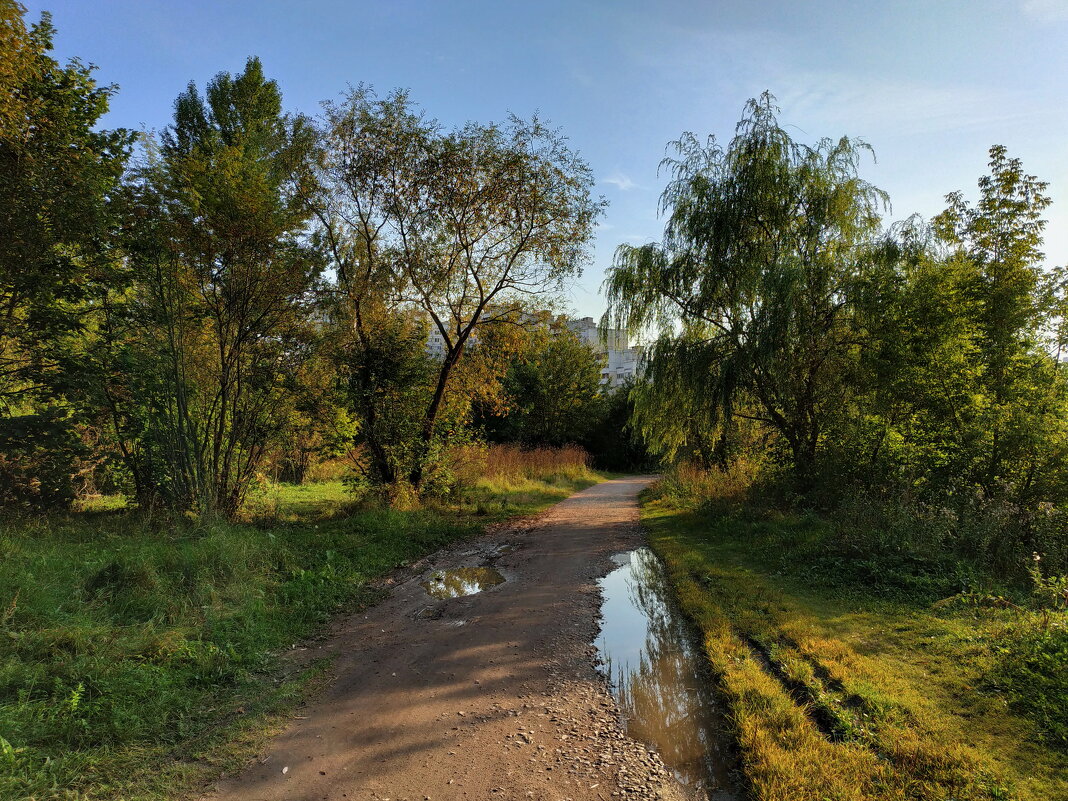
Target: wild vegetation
{"type": "Point", "coordinates": [141, 653]}
{"type": "Point", "coordinates": [864, 674]}
{"type": "Point", "coordinates": [916, 367]}
{"type": "Point", "coordinates": [221, 420]}
{"type": "Point", "coordinates": [250, 292]}
{"type": "Point", "coordinates": [866, 512]}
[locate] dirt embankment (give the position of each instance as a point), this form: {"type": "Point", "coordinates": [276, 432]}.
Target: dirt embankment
{"type": "Point", "coordinates": [489, 696]}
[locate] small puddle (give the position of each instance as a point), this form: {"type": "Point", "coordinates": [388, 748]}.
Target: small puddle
{"type": "Point", "coordinates": [651, 656]}
{"type": "Point", "coordinates": [461, 581]}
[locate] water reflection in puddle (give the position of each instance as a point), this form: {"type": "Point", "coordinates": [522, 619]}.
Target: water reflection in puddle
{"type": "Point", "coordinates": [461, 581]}
{"type": "Point", "coordinates": [658, 679]}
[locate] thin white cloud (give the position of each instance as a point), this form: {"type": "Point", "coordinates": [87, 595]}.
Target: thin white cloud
{"type": "Point", "coordinates": [1046, 10]}
{"type": "Point", "coordinates": [860, 105]}
{"type": "Point", "coordinates": [620, 181]}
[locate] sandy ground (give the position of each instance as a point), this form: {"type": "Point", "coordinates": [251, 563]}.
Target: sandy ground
{"type": "Point", "coordinates": [489, 696]}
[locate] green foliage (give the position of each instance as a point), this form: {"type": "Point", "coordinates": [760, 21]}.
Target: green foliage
{"type": "Point", "coordinates": [57, 171]}
{"type": "Point", "coordinates": [902, 690]}
{"type": "Point", "coordinates": [750, 286]}
{"type": "Point", "coordinates": [913, 561]}
{"type": "Point", "coordinates": [39, 454]}
{"type": "Point", "coordinates": [127, 639]}
{"type": "Point", "coordinates": [460, 226]}
{"type": "Point", "coordinates": [195, 356]}
{"type": "Point", "coordinates": [1018, 432]}
{"type": "Point", "coordinates": [907, 379]}
{"type": "Point", "coordinates": [17, 66]}
{"type": "Point", "coordinates": [387, 378]}
{"type": "Point", "coordinates": [1031, 671]}
{"type": "Point", "coordinates": [314, 427]}
{"type": "Point", "coordinates": [552, 392]}
{"type": "Point", "coordinates": [1048, 591]}
{"type": "Point", "coordinates": [180, 316]}
{"type": "Point", "coordinates": [613, 440]}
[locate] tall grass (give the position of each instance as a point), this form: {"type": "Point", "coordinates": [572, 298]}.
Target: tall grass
{"type": "Point", "coordinates": [709, 491]}
{"type": "Point", "coordinates": [815, 718]}
{"type": "Point", "coordinates": [959, 543]}
{"type": "Point", "coordinates": [124, 637]}
{"type": "Point", "coordinates": [900, 561]}
{"type": "Point", "coordinates": [509, 462]}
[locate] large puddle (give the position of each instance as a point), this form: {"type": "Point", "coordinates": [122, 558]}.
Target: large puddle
{"type": "Point", "coordinates": [461, 581]}
{"type": "Point", "coordinates": [651, 656]}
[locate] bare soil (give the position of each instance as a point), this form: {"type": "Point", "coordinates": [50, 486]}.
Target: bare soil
{"type": "Point", "coordinates": [489, 696]}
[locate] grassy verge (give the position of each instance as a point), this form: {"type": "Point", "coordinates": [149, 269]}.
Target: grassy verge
{"type": "Point", "coordinates": [843, 686]}
{"type": "Point", "coordinates": [140, 656]}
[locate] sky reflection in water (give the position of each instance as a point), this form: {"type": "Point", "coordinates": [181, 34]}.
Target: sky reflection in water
{"type": "Point", "coordinates": [658, 679]}
{"type": "Point", "coordinates": [461, 581]}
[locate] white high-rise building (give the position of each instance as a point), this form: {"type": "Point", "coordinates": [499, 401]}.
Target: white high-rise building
{"type": "Point", "coordinates": [622, 361]}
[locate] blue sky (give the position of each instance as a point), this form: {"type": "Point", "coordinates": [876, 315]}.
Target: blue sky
{"type": "Point", "coordinates": [929, 84]}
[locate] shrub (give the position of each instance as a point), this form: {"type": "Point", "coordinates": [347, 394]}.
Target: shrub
{"type": "Point", "coordinates": [1032, 673]}
{"type": "Point", "coordinates": [40, 455]}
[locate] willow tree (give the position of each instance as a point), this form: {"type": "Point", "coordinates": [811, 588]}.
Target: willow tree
{"type": "Point", "coordinates": [750, 287]}
{"type": "Point", "coordinates": [459, 228]}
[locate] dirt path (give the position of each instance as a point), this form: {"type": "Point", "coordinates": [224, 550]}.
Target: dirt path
{"type": "Point", "coordinates": [490, 696]}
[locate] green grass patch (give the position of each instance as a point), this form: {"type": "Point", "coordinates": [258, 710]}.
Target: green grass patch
{"type": "Point", "coordinates": [847, 681]}
{"type": "Point", "coordinates": [1032, 672]}
{"type": "Point", "coordinates": [140, 655]}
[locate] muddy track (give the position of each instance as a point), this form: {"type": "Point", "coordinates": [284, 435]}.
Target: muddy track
{"type": "Point", "coordinates": [489, 696]}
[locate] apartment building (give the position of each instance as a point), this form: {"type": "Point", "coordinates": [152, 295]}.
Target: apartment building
{"type": "Point", "coordinates": [622, 362]}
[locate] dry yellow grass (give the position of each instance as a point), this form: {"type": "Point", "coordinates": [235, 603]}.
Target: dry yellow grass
{"type": "Point", "coordinates": [509, 464]}
{"type": "Point", "coordinates": [511, 461]}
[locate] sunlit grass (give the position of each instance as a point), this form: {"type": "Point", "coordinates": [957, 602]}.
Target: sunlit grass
{"type": "Point", "coordinates": [838, 694]}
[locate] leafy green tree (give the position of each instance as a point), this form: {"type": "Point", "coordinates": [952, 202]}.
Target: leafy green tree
{"type": "Point", "coordinates": [751, 285]}
{"type": "Point", "coordinates": [386, 376]}
{"type": "Point", "coordinates": [998, 242]}
{"type": "Point", "coordinates": [223, 293]}
{"type": "Point", "coordinates": [614, 441]}
{"type": "Point", "coordinates": [676, 420]}
{"type": "Point", "coordinates": [313, 421]}
{"type": "Point", "coordinates": [553, 392]}
{"type": "Point", "coordinates": [57, 172]}
{"type": "Point", "coordinates": [17, 66]}
{"type": "Point", "coordinates": [461, 226]}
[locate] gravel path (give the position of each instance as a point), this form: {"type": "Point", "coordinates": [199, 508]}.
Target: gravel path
{"type": "Point", "coordinates": [489, 696]}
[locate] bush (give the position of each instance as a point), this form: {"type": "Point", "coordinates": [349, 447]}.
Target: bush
{"type": "Point", "coordinates": [40, 456]}
{"type": "Point", "coordinates": [715, 492]}
{"type": "Point", "coordinates": [1032, 672]}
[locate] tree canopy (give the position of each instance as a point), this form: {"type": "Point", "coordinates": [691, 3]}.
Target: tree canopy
{"type": "Point", "coordinates": [58, 172]}
{"type": "Point", "coordinates": [459, 227]}
{"type": "Point", "coordinates": [750, 286]}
